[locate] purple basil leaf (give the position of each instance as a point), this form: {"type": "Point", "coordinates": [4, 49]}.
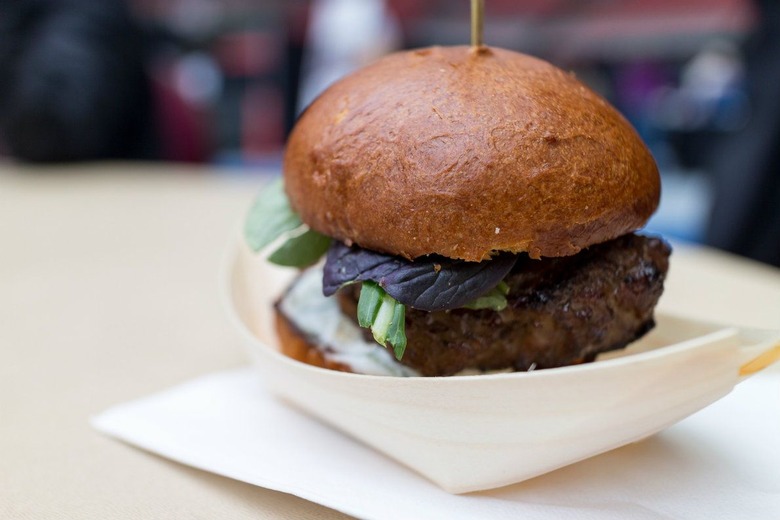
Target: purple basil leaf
{"type": "Point", "coordinates": [345, 265]}
{"type": "Point", "coordinates": [432, 283]}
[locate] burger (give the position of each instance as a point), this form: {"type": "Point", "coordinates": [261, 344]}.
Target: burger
{"type": "Point", "coordinates": [461, 210]}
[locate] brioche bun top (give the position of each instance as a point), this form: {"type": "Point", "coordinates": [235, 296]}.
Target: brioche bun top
{"type": "Point", "coordinates": [464, 152]}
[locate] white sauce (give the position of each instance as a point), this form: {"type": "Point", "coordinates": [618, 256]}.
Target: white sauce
{"type": "Point", "coordinates": [338, 337]}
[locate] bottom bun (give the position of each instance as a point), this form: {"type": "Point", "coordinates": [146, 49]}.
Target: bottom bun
{"type": "Point", "coordinates": [293, 343]}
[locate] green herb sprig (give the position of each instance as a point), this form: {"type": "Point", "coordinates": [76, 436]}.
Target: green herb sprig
{"type": "Point", "coordinates": [494, 299]}
{"type": "Point", "coordinates": [385, 316]}
{"type": "Point", "coordinates": [271, 218]}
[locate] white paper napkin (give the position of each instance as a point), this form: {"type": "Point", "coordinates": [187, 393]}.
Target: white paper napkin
{"type": "Point", "coordinates": [723, 462]}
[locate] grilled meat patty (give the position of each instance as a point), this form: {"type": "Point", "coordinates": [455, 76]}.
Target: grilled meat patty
{"type": "Point", "coordinates": [561, 311]}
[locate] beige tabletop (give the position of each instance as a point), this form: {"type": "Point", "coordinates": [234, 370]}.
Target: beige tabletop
{"type": "Point", "coordinates": [109, 292]}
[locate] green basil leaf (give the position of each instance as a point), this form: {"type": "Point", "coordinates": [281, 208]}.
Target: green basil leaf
{"type": "Point", "coordinates": [494, 299]}
{"type": "Point", "coordinates": [396, 332]}
{"type": "Point", "coordinates": [368, 303]}
{"type": "Point", "coordinates": [301, 250]}
{"type": "Point", "coordinates": [384, 315]}
{"type": "Point", "coordinates": [269, 217]}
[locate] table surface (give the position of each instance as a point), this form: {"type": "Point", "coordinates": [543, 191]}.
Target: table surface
{"type": "Point", "coordinates": [109, 292]}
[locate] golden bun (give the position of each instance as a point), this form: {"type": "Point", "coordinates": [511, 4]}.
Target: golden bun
{"type": "Point", "coordinates": [464, 152]}
{"type": "Point", "coordinates": [294, 343]}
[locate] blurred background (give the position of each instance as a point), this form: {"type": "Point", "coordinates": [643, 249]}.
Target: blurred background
{"type": "Point", "coordinates": [221, 82]}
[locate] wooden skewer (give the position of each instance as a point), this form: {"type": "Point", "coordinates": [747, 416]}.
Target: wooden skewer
{"type": "Point", "coordinates": [477, 22]}
{"type": "Point", "coordinates": [761, 362]}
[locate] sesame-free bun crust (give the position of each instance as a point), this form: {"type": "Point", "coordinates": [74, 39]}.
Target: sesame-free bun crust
{"type": "Point", "coordinates": [293, 343]}
{"type": "Point", "coordinates": [463, 152]}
